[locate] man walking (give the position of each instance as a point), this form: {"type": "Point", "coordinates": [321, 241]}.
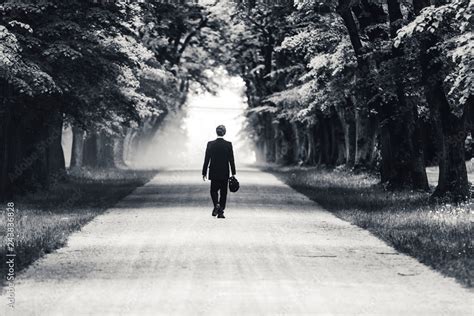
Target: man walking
{"type": "Point", "coordinates": [219, 155]}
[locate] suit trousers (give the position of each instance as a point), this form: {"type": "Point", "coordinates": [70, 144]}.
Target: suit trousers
{"type": "Point", "coordinates": [216, 186]}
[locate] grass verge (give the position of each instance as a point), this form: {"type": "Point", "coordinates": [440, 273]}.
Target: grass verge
{"type": "Point", "coordinates": [44, 220]}
{"type": "Point", "coordinates": [439, 236]}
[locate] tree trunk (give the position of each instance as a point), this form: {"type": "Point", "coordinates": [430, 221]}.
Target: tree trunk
{"type": "Point", "coordinates": [345, 12]}
{"type": "Point", "coordinates": [365, 140]}
{"type": "Point", "coordinates": [99, 150]}
{"type": "Point", "coordinates": [453, 181]}
{"type": "Point", "coordinates": [327, 142]}
{"type": "Point", "coordinates": [400, 143]}
{"type": "Point", "coordinates": [337, 139]}
{"type": "Point", "coordinates": [129, 143]}
{"type": "Point", "coordinates": [5, 147]}
{"type": "Point", "coordinates": [90, 151]}
{"type": "Point", "coordinates": [106, 157]}
{"type": "Point", "coordinates": [119, 151]}
{"type": "Point", "coordinates": [386, 153]}
{"type": "Point", "coordinates": [32, 156]}
{"type": "Point", "coordinates": [419, 177]}
{"type": "Point", "coordinates": [311, 154]}
{"type": "Point", "coordinates": [259, 152]}
{"type": "Point", "coordinates": [286, 143]}
{"type": "Point", "coordinates": [278, 143]}
{"type": "Point", "coordinates": [77, 147]}
{"type": "Point", "coordinates": [269, 138]}
{"type": "Point", "coordinates": [364, 125]}
{"type": "Point", "coordinates": [333, 145]}
{"type": "Point", "coordinates": [55, 164]}
{"type": "Point", "coordinates": [322, 141]}
{"type": "Point", "coordinates": [401, 147]}
{"type": "Point", "coordinates": [349, 129]}
{"type": "Point", "coordinates": [296, 144]}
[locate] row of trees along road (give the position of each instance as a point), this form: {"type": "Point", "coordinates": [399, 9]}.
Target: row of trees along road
{"type": "Point", "coordinates": [111, 70]}
{"type": "Point", "coordinates": [372, 84]}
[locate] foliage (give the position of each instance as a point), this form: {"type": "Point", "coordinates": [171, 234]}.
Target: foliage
{"type": "Point", "coordinates": [109, 65]}
{"type": "Point", "coordinates": [314, 64]}
{"type": "Point", "coordinates": [450, 26]}
{"type": "Point", "coordinates": [338, 70]}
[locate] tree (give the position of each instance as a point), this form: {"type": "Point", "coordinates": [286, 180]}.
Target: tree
{"type": "Point", "coordinates": [336, 71]}
{"type": "Point", "coordinates": [445, 45]}
{"type": "Point", "coordinates": [66, 61]}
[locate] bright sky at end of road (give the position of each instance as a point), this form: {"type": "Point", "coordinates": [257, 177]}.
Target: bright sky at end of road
{"type": "Point", "coordinates": [181, 141]}
{"type": "Point", "coordinates": [206, 111]}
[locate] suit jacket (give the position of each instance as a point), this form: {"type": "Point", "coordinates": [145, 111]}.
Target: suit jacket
{"type": "Point", "coordinates": [219, 155]}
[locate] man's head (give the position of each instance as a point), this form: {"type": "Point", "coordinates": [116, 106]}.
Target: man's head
{"type": "Point", "coordinates": [220, 130]}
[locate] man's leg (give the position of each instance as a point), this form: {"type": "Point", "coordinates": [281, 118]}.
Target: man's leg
{"type": "Point", "coordinates": [223, 197]}
{"type": "Point", "coordinates": [214, 189]}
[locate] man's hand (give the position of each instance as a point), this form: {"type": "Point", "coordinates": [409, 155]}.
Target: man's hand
{"type": "Point", "coordinates": [204, 178]}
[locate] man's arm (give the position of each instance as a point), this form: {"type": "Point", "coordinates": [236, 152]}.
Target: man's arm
{"type": "Point", "coordinates": [207, 158]}
{"type": "Point", "coordinates": [231, 160]}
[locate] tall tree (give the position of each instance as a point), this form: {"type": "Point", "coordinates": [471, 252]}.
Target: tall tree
{"type": "Point", "coordinates": [445, 44]}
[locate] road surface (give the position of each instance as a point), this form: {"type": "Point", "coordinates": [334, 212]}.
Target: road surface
{"type": "Point", "coordinates": [159, 252]}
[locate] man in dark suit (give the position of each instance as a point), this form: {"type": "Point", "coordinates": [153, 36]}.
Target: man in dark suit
{"type": "Point", "coordinates": [219, 155]}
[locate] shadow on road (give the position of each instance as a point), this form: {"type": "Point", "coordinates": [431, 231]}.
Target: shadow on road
{"type": "Point", "coordinates": [186, 188]}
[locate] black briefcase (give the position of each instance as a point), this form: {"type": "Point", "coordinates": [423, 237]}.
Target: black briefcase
{"type": "Point", "coordinates": [233, 184]}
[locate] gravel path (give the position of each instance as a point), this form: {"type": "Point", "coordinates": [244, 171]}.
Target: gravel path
{"type": "Point", "coordinates": [159, 252]}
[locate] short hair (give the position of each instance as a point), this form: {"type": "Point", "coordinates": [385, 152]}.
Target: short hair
{"type": "Point", "coordinates": [220, 130]}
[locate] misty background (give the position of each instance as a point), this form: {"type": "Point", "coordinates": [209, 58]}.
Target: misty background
{"type": "Point", "coordinates": [182, 138]}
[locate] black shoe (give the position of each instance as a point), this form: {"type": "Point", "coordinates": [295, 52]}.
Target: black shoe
{"type": "Point", "coordinates": [215, 211]}
{"type": "Point", "coordinates": [220, 216]}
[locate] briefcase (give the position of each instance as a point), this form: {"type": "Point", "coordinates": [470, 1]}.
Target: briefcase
{"type": "Point", "coordinates": [233, 184]}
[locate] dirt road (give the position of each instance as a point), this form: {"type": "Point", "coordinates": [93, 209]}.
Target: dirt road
{"type": "Point", "coordinates": [159, 252]}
